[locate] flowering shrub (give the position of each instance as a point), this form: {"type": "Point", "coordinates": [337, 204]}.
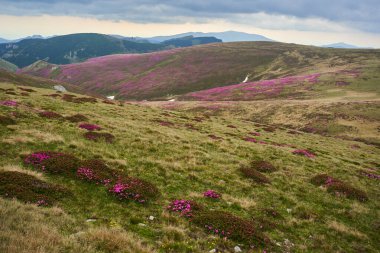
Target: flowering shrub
{"type": "Point", "coordinates": [29, 189]}
{"type": "Point", "coordinates": [304, 152]}
{"type": "Point", "coordinates": [211, 194]}
{"type": "Point", "coordinates": [186, 208]}
{"type": "Point", "coordinates": [339, 187]}
{"type": "Point", "coordinates": [129, 188]}
{"type": "Point", "coordinates": [370, 175]}
{"type": "Point", "coordinates": [50, 115]}
{"type": "Point", "coordinates": [254, 175]}
{"type": "Point", "coordinates": [53, 162]}
{"type": "Point", "coordinates": [35, 159]}
{"type": "Point", "coordinates": [95, 136]}
{"type": "Point", "coordinates": [263, 166]}
{"type": "Point", "coordinates": [9, 103]}
{"type": "Point", "coordinates": [85, 100]}
{"type": "Point", "coordinates": [97, 171]}
{"type": "Point", "coordinates": [90, 127]}
{"type": "Point", "coordinates": [77, 118]}
{"type": "Point", "coordinates": [250, 139]}
{"type": "Point", "coordinates": [5, 121]}
{"type": "Point", "coordinates": [227, 225]}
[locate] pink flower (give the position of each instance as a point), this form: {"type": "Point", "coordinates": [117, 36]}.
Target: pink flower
{"type": "Point", "coordinates": [89, 127]}
{"type": "Point", "coordinates": [211, 194]}
{"type": "Point", "coordinates": [304, 152]}
{"type": "Point", "coordinates": [10, 103]}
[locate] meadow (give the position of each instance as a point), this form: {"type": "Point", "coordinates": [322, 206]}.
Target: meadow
{"type": "Point", "coordinates": [191, 176]}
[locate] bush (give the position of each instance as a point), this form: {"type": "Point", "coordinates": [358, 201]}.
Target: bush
{"type": "Point", "coordinates": [255, 175]}
{"type": "Point", "coordinates": [77, 118]}
{"type": "Point", "coordinates": [89, 127]}
{"type": "Point", "coordinates": [185, 207]}
{"type": "Point", "coordinates": [348, 191]}
{"type": "Point", "coordinates": [263, 166]}
{"type": "Point", "coordinates": [63, 164]}
{"type": "Point", "coordinates": [94, 136]}
{"type": "Point", "coordinates": [339, 187]}
{"type": "Point", "coordinates": [50, 115]}
{"type": "Point", "coordinates": [95, 170]}
{"type": "Point", "coordinates": [5, 120]}
{"type": "Point", "coordinates": [129, 188]}
{"type": "Point", "coordinates": [230, 226]}
{"type": "Point", "coordinates": [29, 189]}
{"type": "Point", "coordinates": [35, 159]}
{"type": "Point", "coordinates": [304, 152]}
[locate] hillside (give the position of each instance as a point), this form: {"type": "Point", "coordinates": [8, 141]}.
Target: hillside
{"type": "Point", "coordinates": [70, 48]}
{"type": "Point", "coordinates": [101, 176]}
{"type": "Point", "coordinates": [8, 66]}
{"type": "Point", "coordinates": [167, 74]}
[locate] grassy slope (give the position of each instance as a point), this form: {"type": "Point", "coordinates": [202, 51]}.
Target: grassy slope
{"type": "Point", "coordinates": [174, 72]}
{"type": "Point", "coordinates": [4, 65]}
{"type": "Point", "coordinates": [184, 163]}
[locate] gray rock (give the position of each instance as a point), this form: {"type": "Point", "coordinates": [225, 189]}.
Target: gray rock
{"type": "Point", "coordinates": [237, 249]}
{"type": "Point", "coordinates": [60, 88]}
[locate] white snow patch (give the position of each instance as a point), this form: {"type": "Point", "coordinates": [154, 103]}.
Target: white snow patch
{"type": "Point", "coordinates": [59, 88]}
{"type": "Point", "coordinates": [246, 78]}
{"type": "Point", "coordinates": [111, 97]}
{"type": "Point", "coordinates": [172, 100]}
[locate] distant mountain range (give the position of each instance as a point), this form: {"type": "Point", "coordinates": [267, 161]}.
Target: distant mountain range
{"type": "Point", "coordinates": [344, 45]}
{"type": "Point", "coordinates": [79, 47]}
{"type": "Point", "coordinates": [229, 36]}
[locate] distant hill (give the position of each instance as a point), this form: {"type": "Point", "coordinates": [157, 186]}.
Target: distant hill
{"type": "Point", "coordinates": [341, 45]}
{"type": "Point", "coordinates": [8, 66]}
{"type": "Point", "coordinates": [176, 72]}
{"type": "Point", "coordinates": [75, 48]}
{"type": "Point", "coordinates": [189, 41]}
{"type": "Point", "coordinates": [70, 48]}
{"type": "Point", "coordinates": [3, 40]}
{"type": "Point", "coordinates": [229, 36]}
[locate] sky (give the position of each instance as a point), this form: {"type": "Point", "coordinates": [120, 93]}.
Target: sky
{"type": "Point", "coordinates": [315, 22]}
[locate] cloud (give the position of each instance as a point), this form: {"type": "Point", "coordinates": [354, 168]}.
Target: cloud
{"type": "Point", "coordinates": [282, 14]}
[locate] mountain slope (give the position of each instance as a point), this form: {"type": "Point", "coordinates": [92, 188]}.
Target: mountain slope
{"type": "Point", "coordinates": [70, 48]}
{"type": "Point", "coordinates": [259, 184]}
{"type": "Point", "coordinates": [162, 75]}
{"type": "Point", "coordinates": [340, 45]}
{"type": "Point", "coordinates": [228, 36]}
{"type": "Point", "coordinates": [189, 41]}
{"type": "Point", "coordinates": [8, 66]}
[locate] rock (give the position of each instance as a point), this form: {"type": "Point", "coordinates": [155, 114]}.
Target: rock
{"type": "Point", "coordinates": [90, 220]}
{"type": "Point", "coordinates": [237, 249]}
{"type": "Point", "coordinates": [60, 88]}
{"type": "Point", "coordinates": [151, 217]}
{"type": "Point", "coordinates": [111, 97]}
{"type": "Point", "coordinates": [141, 225]}
{"type": "Point", "coordinates": [289, 210]}
{"type": "Point", "coordinates": [212, 251]}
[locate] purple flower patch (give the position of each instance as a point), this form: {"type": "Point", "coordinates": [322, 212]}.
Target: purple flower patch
{"type": "Point", "coordinates": [9, 103]}
{"type": "Point", "coordinates": [89, 127]}
{"type": "Point", "coordinates": [304, 152]}
{"type": "Point", "coordinates": [211, 194]}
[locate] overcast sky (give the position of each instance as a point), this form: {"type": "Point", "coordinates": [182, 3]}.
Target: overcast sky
{"type": "Point", "coordinates": [301, 21]}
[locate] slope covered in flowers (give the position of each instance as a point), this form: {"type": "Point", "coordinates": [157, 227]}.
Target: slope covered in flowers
{"type": "Point", "coordinates": [166, 74]}
{"type": "Point", "coordinates": [181, 179]}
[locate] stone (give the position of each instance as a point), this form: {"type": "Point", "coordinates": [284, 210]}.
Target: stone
{"type": "Point", "coordinates": [237, 249]}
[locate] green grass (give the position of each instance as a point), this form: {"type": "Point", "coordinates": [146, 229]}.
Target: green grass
{"type": "Point", "coordinates": [183, 163]}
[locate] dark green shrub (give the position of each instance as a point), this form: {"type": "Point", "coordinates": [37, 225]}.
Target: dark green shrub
{"type": "Point", "coordinates": [96, 136]}
{"type": "Point", "coordinates": [5, 120]}
{"type": "Point", "coordinates": [230, 226]}
{"type": "Point", "coordinates": [77, 118]}
{"type": "Point", "coordinates": [255, 175]}
{"type": "Point", "coordinates": [63, 164]}
{"type": "Point", "coordinates": [95, 170]}
{"type": "Point", "coordinates": [129, 188]}
{"type": "Point", "coordinates": [263, 166]}
{"type": "Point", "coordinates": [29, 189]}
{"type": "Point", "coordinates": [50, 115]}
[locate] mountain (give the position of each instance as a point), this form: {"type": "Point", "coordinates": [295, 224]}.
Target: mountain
{"type": "Point", "coordinates": [8, 66]}
{"type": "Point", "coordinates": [3, 40]}
{"type": "Point", "coordinates": [229, 36]}
{"type": "Point", "coordinates": [79, 47]}
{"type": "Point", "coordinates": [189, 41]}
{"type": "Point", "coordinates": [70, 48]}
{"type": "Point", "coordinates": [178, 72]}
{"type": "Point", "coordinates": [341, 45]}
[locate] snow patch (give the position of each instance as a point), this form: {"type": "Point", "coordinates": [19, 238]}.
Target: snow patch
{"type": "Point", "coordinates": [60, 88]}
{"type": "Point", "coordinates": [111, 97]}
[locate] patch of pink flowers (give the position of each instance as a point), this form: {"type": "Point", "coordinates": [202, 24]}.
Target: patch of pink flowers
{"type": "Point", "coordinates": [254, 133]}
{"type": "Point", "coordinates": [211, 194]}
{"type": "Point", "coordinates": [38, 157]}
{"type": "Point", "coordinates": [124, 190]}
{"type": "Point", "coordinates": [89, 127]}
{"type": "Point", "coordinates": [41, 202]}
{"type": "Point", "coordinates": [182, 206]}
{"type": "Point", "coordinates": [370, 175]}
{"type": "Point", "coordinates": [250, 139]}
{"type": "Point", "coordinates": [86, 173]}
{"type": "Point", "coordinates": [304, 152]}
{"type": "Point", "coordinates": [9, 103]}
